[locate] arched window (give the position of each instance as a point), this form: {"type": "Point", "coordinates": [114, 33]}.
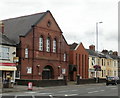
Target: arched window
{"type": "Point", "coordinates": [54, 45]}
{"type": "Point", "coordinates": [26, 52]}
{"type": "Point", "coordinates": [48, 45]}
{"type": "Point", "coordinates": [41, 43]}
{"type": "Point", "coordinates": [65, 57]}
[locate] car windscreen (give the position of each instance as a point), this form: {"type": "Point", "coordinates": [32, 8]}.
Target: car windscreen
{"type": "Point", "coordinates": [110, 78]}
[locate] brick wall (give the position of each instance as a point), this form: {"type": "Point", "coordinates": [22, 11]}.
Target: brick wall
{"type": "Point", "coordinates": [79, 57]}
{"type": "Point", "coordinates": [42, 83]}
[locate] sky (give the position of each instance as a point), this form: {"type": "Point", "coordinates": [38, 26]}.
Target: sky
{"type": "Point", "coordinates": [76, 18]}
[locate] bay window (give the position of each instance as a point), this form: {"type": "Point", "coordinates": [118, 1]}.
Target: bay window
{"type": "Point", "coordinates": [4, 53]}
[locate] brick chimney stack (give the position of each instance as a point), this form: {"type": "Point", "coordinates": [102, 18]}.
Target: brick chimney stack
{"type": "Point", "coordinates": [115, 53]}
{"type": "Point", "coordinates": [92, 47]}
{"type": "Point", "coordinates": [105, 51]}
{"type": "Point", "coordinates": [1, 27]}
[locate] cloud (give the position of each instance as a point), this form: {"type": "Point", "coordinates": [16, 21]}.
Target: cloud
{"type": "Point", "coordinates": [76, 18]}
{"type": "Point", "coordinates": [112, 37]}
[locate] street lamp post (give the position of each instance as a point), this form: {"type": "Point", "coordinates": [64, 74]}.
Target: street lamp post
{"type": "Point", "coordinates": [97, 34]}
{"type": "Point", "coordinates": [97, 45]}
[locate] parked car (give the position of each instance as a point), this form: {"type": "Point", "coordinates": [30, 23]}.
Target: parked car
{"type": "Point", "coordinates": [112, 80]}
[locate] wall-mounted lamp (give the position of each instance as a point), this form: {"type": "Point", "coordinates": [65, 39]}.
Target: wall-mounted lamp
{"type": "Point", "coordinates": [58, 66]}
{"type": "Point", "coordinates": [39, 73]}
{"type": "Point", "coordinates": [38, 65]}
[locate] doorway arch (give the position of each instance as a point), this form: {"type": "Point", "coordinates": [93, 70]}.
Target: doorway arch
{"type": "Point", "coordinates": [48, 72]}
{"type": "Point", "coordinates": [73, 74]}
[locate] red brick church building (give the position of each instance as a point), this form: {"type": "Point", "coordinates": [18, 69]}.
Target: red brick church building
{"type": "Point", "coordinates": [78, 60]}
{"type": "Point", "coordinates": [41, 46]}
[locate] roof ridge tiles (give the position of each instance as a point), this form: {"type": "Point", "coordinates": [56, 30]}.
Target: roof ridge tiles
{"type": "Point", "coordinates": [24, 16]}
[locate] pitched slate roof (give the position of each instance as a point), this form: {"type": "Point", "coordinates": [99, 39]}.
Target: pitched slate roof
{"type": "Point", "coordinates": [4, 40]}
{"type": "Point", "coordinates": [91, 52]}
{"type": "Point", "coordinates": [20, 26]}
{"type": "Point", "coordinates": [73, 46]}
{"type": "Point", "coordinates": [114, 57]}
{"type": "Point", "coordinates": [101, 55]}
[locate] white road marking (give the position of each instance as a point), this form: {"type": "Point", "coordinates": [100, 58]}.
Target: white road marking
{"type": "Point", "coordinates": [62, 91]}
{"type": "Point", "coordinates": [73, 90]}
{"type": "Point", "coordinates": [66, 95]}
{"type": "Point", "coordinates": [38, 93]}
{"type": "Point", "coordinates": [110, 86]}
{"type": "Point", "coordinates": [58, 95]}
{"type": "Point", "coordinates": [93, 92]}
{"type": "Point", "coordinates": [51, 96]}
{"type": "Point", "coordinates": [67, 91]}
{"type": "Point", "coordinates": [90, 88]}
{"type": "Point", "coordinates": [45, 93]}
{"type": "Point", "coordinates": [102, 90]}
{"type": "Point", "coordinates": [71, 95]}
{"type": "Point", "coordinates": [96, 91]}
{"type": "Point", "coordinates": [113, 88]}
{"type": "Point", "coordinates": [31, 92]}
{"type": "Point", "coordinates": [19, 95]}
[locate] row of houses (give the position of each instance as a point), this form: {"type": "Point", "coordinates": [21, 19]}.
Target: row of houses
{"type": "Point", "coordinates": [33, 47]}
{"type": "Point", "coordinates": [107, 60]}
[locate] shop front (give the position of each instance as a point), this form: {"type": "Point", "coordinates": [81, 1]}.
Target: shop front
{"type": "Point", "coordinates": [8, 74]}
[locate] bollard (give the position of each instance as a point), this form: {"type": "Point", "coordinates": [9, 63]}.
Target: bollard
{"type": "Point", "coordinates": [30, 87]}
{"type": "Point", "coordinates": [65, 79]}
{"type": "Point", "coordinates": [78, 79]}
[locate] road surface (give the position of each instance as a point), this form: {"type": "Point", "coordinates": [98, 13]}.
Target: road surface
{"type": "Point", "coordinates": [69, 90]}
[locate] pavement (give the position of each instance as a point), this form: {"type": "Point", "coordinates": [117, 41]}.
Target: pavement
{"type": "Point", "coordinates": [19, 88]}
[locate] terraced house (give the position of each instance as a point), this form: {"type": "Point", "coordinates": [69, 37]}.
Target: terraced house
{"type": "Point", "coordinates": [107, 60]}
{"type": "Point", "coordinates": [93, 60]}
{"type": "Point", "coordinates": [41, 46]}
{"type": "Point", "coordinates": [112, 60]}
